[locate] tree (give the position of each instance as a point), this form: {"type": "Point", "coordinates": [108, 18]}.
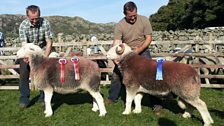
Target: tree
{"type": "Point", "coordinates": [188, 14]}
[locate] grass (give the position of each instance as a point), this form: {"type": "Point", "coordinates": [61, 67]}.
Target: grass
{"type": "Point", "coordinates": [75, 110]}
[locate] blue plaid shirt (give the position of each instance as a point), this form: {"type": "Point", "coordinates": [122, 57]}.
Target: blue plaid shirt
{"type": "Point", "coordinates": [35, 34]}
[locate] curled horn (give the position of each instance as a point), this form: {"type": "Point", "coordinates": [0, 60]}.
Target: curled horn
{"type": "Point", "coordinates": [120, 49]}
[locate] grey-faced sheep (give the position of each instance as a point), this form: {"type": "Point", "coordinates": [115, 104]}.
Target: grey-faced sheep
{"type": "Point", "coordinates": [45, 74]}
{"type": "Point", "coordinates": [139, 76]}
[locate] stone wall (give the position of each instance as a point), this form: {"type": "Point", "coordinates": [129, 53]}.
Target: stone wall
{"type": "Point", "coordinates": [214, 34]}
{"type": "Point", "coordinates": [191, 34]}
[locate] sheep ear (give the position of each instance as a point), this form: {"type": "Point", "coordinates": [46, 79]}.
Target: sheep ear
{"type": "Point", "coordinates": [120, 49]}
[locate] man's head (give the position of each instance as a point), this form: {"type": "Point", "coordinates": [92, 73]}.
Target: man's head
{"type": "Point", "coordinates": [33, 14]}
{"type": "Point", "coordinates": [130, 12]}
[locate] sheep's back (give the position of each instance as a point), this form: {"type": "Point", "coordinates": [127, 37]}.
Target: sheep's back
{"type": "Point", "coordinates": [50, 70]}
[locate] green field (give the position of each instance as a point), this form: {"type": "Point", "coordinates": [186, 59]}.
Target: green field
{"type": "Point", "coordinates": [75, 110]}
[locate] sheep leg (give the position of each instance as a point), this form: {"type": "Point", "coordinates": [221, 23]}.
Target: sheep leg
{"type": "Point", "coordinates": [95, 106]}
{"type": "Point", "coordinates": [99, 99]}
{"type": "Point", "coordinates": [181, 104]}
{"type": "Point", "coordinates": [187, 113]}
{"type": "Point", "coordinates": [130, 95]}
{"type": "Point", "coordinates": [48, 93]}
{"type": "Point", "coordinates": [137, 100]}
{"type": "Point", "coordinates": [32, 85]}
{"type": "Point", "coordinates": [187, 107]}
{"type": "Point", "coordinates": [202, 108]}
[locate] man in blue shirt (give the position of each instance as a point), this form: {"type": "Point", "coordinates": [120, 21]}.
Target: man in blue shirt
{"type": "Point", "coordinates": [2, 42]}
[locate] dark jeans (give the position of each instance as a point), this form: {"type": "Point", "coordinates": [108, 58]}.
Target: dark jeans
{"type": "Point", "coordinates": [116, 82]}
{"type": "Point", "coordinates": [24, 89]}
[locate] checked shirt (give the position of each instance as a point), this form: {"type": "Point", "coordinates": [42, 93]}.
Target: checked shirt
{"type": "Point", "coordinates": [37, 34]}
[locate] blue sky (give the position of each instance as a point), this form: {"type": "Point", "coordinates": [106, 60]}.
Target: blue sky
{"type": "Point", "coordinates": [97, 11]}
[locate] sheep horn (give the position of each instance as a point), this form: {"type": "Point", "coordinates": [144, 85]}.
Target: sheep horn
{"type": "Point", "coordinates": [120, 49]}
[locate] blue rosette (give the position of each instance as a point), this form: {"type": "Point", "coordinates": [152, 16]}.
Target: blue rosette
{"type": "Point", "coordinates": [159, 72]}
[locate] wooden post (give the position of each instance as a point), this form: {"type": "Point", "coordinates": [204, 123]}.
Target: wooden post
{"type": "Point", "coordinates": [84, 49]}
{"type": "Point", "coordinates": [196, 61]}
{"type": "Point", "coordinates": [210, 42]}
{"type": "Point", "coordinates": [60, 41]}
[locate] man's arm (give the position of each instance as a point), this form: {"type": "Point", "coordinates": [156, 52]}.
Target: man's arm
{"type": "Point", "coordinates": [48, 38]}
{"type": "Point", "coordinates": [148, 40]}
{"type": "Point", "coordinates": [48, 47]}
{"type": "Point", "coordinates": [22, 34]}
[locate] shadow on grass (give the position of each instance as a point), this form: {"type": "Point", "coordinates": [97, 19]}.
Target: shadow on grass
{"type": "Point", "coordinates": [71, 99]}
{"type": "Point", "coordinates": [33, 101]}
{"type": "Point", "coordinates": [170, 104]}
{"type": "Point", "coordinates": [150, 101]}
{"type": "Point", "coordinates": [218, 113]}
{"type": "Point", "coordinates": [166, 122]}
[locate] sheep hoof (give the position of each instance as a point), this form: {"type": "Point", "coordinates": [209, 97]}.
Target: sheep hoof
{"type": "Point", "coordinates": [103, 114]}
{"type": "Point", "coordinates": [186, 115]}
{"type": "Point", "coordinates": [211, 121]}
{"type": "Point", "coordinates": [207, 124]}
{"type": "Point", "coordinates": [95, 109]}
{"type": "Point", "coordinates": [48, 114]}
{"type": "Point", "coordinates": [126, 113]}
{"type": "Point", "coordinates": [137, 111]}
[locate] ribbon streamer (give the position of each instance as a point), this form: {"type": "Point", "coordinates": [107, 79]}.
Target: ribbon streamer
{"type": "Point", "coordinates": [75, 61]}
{"type": "Point", "coordinates": [62, 62]}
{"type": "Point", "coordinates": [159, 72]}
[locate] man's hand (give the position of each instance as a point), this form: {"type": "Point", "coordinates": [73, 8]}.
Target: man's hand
{"type": "Point", "coordinates": [137, 50]}
{"type": "Point", "coordinates": [145, 44]}
{"type": "Point", "coordinates": [116, 61]}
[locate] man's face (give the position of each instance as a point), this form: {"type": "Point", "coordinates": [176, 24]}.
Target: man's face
{"type": "Point", "coordinates": [33, 17]}
{"type": "Point", "coordinates": [131, 16]}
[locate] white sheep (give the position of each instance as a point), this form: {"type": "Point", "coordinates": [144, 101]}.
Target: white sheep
{"type": "Point", "coordinates": [139, 76]}
{"type": "Point", "coordinates": [45, 74]}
